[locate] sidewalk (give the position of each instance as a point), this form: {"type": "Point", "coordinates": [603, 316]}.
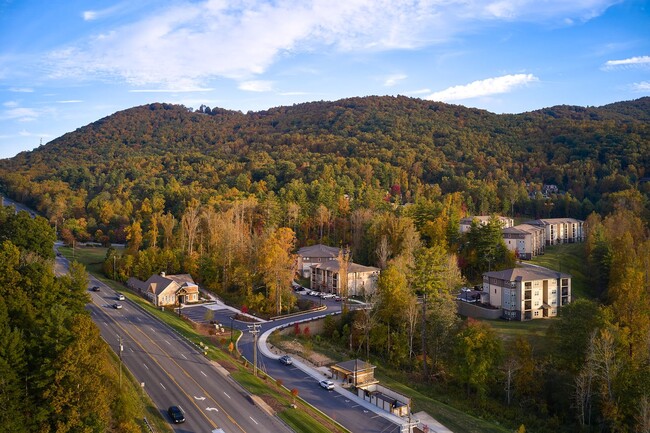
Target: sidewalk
{"type": "Point", "coordinates": [318, 375]}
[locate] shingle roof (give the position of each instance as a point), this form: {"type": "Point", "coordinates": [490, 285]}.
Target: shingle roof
{"type": "Point", "coordinates": [318, 250]}
{"type": "Point", "coordinates": [333, 265]}
{"type": "Point", "coordinates": [528, 273]}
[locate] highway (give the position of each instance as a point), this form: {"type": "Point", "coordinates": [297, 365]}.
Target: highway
{"type": "Point", "coordinates": [173, 371]}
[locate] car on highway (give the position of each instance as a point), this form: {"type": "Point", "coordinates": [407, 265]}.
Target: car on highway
{"type": "Point", "coordinates": [117, 306]}
{"type": "Point", "coordinates": [286, 360]}
{"type": "Point", "coordinates": [119, 296]}
{"type": "Point", "coordinates": [176, 414]}
{"type": "Point", "coordinates": [95, 288]}
{"type": "Point", "coordinates": [327, 384]}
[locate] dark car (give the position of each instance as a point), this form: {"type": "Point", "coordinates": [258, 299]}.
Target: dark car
{"type": "Point", "coordinates": [286, 360]}
{"type": "Point", "coordinates": [176, 414]}
{"type": "Point", "coordinates": [95, 289]}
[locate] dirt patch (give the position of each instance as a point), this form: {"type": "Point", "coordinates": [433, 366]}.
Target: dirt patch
{"type": "Point", "coordinates": [273, 403]}
{"type": "Point", "coordinates": [297, 349]}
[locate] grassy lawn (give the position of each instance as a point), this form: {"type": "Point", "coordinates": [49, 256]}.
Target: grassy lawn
{"type": "Point", "coordinates": [303, 419]}
{"type": "Point", "coordinates": [571, 259]}
{"type": "Point", "coordinates": [533, 330]}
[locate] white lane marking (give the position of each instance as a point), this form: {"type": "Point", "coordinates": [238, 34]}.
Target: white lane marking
{"type": "Point", "coordinates": [163, 386]}
{"type": "Point", "coordinates": [183, 356]}
{"type": "Point", "coordinates": [145, 366]}
{"type": "Point", "coordinates": [130, 349]}
{"type": "Point", "coordinates": [153, 330]}
{"type": "Point", "coordinates": [199, 398]}
{"type": "Point", "coordinates": [168, 342]}
{"type": "Point", "coordinates": [204, 374]}
{"type": "Point", "coordinates": [253, 420]}
{"type": "Point", "coordinates": [212, 408]}
{"type": "Point", "coordinates": [226, 394]}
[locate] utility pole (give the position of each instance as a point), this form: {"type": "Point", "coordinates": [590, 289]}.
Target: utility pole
{"type": "Point", "coordinates": [114, 268]}
{"type": "Point", "coordinates": [121, 348]}
{"type": "Point", "coordinates": [255, 330]}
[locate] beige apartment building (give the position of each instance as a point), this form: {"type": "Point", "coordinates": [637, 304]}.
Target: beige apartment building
{"type": "Point", "coordinates": [313, 255]}
{"type": "Point", "coordinates": [326, 277]}
{"type": "Point", "coordinates": [526, 240]}
{"type": "Point", "coordinates": [466, 223]}
{"type": "Point", "coordinates": [527, 293]}
{"type": "Point", "coordinates": [561, 230]}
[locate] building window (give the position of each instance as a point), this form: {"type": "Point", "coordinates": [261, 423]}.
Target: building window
{"type": "Point", "coordinates": [536, 313]}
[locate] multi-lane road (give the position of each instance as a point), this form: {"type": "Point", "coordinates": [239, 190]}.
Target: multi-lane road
{"type": "Point", "coordinates": [174, 372]}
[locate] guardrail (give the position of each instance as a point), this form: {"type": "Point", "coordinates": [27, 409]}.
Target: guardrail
{"type": "Point", "coordinates": [146, 423]}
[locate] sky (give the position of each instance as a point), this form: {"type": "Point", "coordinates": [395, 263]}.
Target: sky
{"type": "Point", "coordinates": [67, 63]}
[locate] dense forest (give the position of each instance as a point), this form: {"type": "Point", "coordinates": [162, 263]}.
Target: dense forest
{"type": "Point", "coordinates": [228, 197]}
{"type": "Point", "coordinates": [55, 371]}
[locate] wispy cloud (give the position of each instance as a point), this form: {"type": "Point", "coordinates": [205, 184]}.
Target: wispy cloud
{"type": "Point", "coordinates": [392, 80]}
{"type": "Point", "coordinates": [489, 86]}
{"type": "Point", "coordinates": [70, 101]}
{"type": "Point", "coordinates": [20, 114]}
{"type": "Point", "coordinates": [642, 87]}
{"type": "Point", "coordinates": [418, 92]}
{"type": "Point", "coordinates": [626, 63]}
{"type": "Point", "coordinates": [92, 15]}
{"type": "Point", "coordinates": [256, 86]}
{"type": "Point", "coordinates": [193, 42]}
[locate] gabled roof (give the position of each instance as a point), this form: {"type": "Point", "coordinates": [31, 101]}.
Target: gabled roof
{"type": "Point", "coordinates": [522, 229]}
{"type": "Point", "coordinates": [159, 283]}
{"type": "Point", "coordinates": [548, 221]}
{"type": "Point", "coordinates": [354, 365]}
{"type": "Point", "coordinates": [335, 266]}
{"type": "Point", "coordinates": [528, 273]}
{"type": "Point", "coordinates": [319, 250]}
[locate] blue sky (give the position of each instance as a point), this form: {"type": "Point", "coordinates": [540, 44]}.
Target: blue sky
{"type": "Point", "coordinates": [67, 63]}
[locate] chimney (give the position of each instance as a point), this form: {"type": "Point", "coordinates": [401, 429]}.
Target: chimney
{"type": "Point", "coordinates": [162, 274]}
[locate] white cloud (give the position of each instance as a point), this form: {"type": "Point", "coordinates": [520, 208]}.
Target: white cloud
{"type": "Point", "coordinates": [643, 86]}
{"type": "Point", "coordinates": [10, 104]}
{"type": "Point", "coordinates": [489, 86]}
{"type": "Point", "coordinates": [190, 42]}
{"type": "Point", "coordinates": [70, 101]}
{"type": "Point", "coordinates": [20, 114]}
{"type": "Point", "coordinates": [256, 86]}
{"type": "Point", "coordinates": [392, 80]}
{"type": "Point", "coordinates": [630, 62]}
{"type": "Point", "coordinates": [103, 13]}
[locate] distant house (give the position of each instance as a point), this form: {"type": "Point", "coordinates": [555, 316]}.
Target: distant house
{"type": "Point", "coordinates": [527, 293]}
{"type": "Point", "coordinates": [163, 290]}
{"type": "Point", "coordinates": [526, 240]}
{"type": "Point", "coordinates": [466, 223]}
{"type": "Point", "coordinates": [314, 254]}
{"type": "Point", "coordinates": [326, 277]}
{"type": "Point", "coordinates": [561, 230]}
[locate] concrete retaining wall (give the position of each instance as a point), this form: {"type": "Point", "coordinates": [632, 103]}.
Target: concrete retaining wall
{"type": "Point", "coordinates": [471, 310]}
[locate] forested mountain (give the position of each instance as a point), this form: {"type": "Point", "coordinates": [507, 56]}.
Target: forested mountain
{"type": "Point", "coordinates": [362, 147]}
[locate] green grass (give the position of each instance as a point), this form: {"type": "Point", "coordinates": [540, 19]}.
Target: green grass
{"type": "Point", "coordinates": [571, 259]}
{"type": "Point", "coordinates": [301, 422]}
{"type": "Point", "coordinates": [533, 330]}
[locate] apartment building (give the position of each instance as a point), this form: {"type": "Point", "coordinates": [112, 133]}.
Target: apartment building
{"type": "Point", "coordinates": [561, 230]}
{"type": "Point", "coordinates": [326, 277]}
{"type": "Point", "coordinates": [527, 293]}
{"type": "Point", "coordinates": [526, 240]}
{"type": "Point", "coordinates": [466, 223]}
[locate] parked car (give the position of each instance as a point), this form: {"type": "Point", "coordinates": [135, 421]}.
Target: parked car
{"type": "Point", "coordinates": [327, 384]}
{"type": "Point", "coordinates": [327, 295]}
{"type": "Point", "coordinates": [286, 360]}
{"type": "Point", "coordinates": [303, 291]}
{"type": "Point", "coordinates": [95, 289]}
{"type": "Point", "coordinates": [117, 306]}
{"type": "Point", "coordinates": [119, 296]}
{"type": "Point", "coordinates": [314, 293]}
{"type": "Point", "coordinates": [176, 414]}
{"type": "Point", "coordinates": [337, 298]}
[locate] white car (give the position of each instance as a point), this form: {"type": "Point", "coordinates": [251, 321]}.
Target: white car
{"type": "Point", "coordinates": [327, 384]}
{"type": "Point", "coordinates": [117, 306]}
{"type": "Point", "coordinates": [327, 295]}
{"type": "Point", "coordinates": [314, 293]}
{"type": "Point", "coordinates": [119, 296]}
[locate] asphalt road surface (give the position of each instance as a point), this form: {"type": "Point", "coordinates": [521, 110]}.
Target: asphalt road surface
{"type": "Point", "coordinates": [347, 412]}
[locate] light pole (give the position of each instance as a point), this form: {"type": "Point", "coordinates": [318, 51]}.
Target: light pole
{"type": "Point", "coordinates": [114, 267]}
{"type": "Point", "coordinates": [231, 320]}
{"type": "Point", "coordinates": [254, 329]}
